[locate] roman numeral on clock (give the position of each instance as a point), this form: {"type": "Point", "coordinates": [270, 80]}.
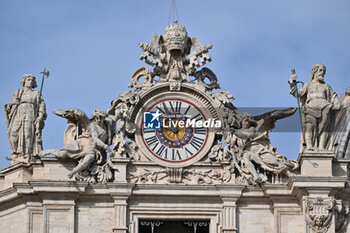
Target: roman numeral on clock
{"type": "Point", "coordinates": [151, 140]}
{"type": "Point", "coordinates": [200, 130]}
{"type": "Point", "coordinates": [148, 130]}
{"type": "Point", "coordinates": [162, 150]}
{"type": "Point", "coordinates": [161, 110]}
{"type": "Point", "coordinates": [188, 108]}
{"type": "Point", "coordinates": [197, 142]}
{"type": "Point", "coordinates": [188, 151]}
{"type": "Point", "coordinates": [176, 153]}
{"type": "Point", "coordinates": [175, 106]}
{"type": "Point", "coordinates": [197, 117]}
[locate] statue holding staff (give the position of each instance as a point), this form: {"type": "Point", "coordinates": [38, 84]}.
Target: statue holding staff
{"type": "Point", "coordinates": [25, 115]}
{"type": "Point", "coordinates": [319, 102]}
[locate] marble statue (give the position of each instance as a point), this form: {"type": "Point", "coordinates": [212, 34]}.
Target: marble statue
{"type": "Point", "coordinates": [251, 149]}
{"type": "Point", "coordinates": [223, 100]}
{"type": "Point", "coordinates": [25, 115]}
{"type": "Point", "coordinates": [319, 104]}
{"type": "Point", "coordinates": [123, 148]}
{"type": "Point", "coordinates": [341, 137]}
{"type": "Point", "coordinates": [87, 140]}
{"type": "Point", "coordinates": [241, 145]}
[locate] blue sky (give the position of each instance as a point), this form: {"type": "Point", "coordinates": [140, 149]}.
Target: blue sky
{"type": "Point", "coordinates": [91, 49]}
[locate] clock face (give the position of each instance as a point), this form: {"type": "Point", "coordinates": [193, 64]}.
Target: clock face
{"type": "Point", "coordinates": [175, 142]}
{"type": "Point", "coordinates": [175, 128]}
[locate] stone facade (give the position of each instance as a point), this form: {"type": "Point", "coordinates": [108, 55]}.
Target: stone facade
{"type": "Point", "coordinates": [138, 167]}
{"type": "Point", "coordinates": [45, 200]}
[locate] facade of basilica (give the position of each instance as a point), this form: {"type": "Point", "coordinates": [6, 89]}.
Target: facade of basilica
{"type": "Point", "coordinates": [174, 154]}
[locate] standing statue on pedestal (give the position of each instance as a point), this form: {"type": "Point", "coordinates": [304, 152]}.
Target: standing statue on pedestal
{"type": "Point", "coordinates": [25, 115]}
{"type": "Point", "coordinates": [319, 103]}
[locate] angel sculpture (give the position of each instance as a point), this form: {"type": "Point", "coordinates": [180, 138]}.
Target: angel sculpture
{"type": "Point", "coordinates": [87, 140]}
{"type": "Point", "coordinates": [119, 110]}
{"type": "Point", "coordinates": [250, 146]}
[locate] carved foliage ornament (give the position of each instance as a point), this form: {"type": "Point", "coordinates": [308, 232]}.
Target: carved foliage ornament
{"type": "Point", "coordinates": [180, 175]}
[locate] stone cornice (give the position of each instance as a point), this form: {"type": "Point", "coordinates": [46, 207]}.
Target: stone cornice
{"type": "Point", "coordinates": [8, 194]}
{"type": "Point", "coordinates": [295, 184]}
{"type": "Point", "coordinates": [14, 167]}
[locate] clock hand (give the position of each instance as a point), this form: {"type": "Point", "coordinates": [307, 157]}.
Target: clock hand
{"type": "Point", "coordinates": [181, 144]}
{"type": "Point", "coordinates": [172, 128]}
{"type": "Point", "coordinates": [175, 130]}
{"type": "Point", "coordinates": [167, 112]}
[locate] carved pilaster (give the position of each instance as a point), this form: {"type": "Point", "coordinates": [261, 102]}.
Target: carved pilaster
{"type": "Point", "coordinates": [229, 215]}
{"type": "Point", "coordinates": [120, 205]}
{"type": "Point", "coordinates": [229, 196]}
{"type": "Point", "coordinates": [120, 194]}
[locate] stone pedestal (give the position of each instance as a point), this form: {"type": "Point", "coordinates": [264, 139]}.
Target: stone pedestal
{"type": "Point", "coordinates": [120, 174]}
{"type": "Point", "coordinates": [316, 163]}
{"type": "Point", "coordinates": [55, 169]}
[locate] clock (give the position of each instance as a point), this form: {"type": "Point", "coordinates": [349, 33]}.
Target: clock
{"type": "Point", "coordinates": [181, 136]}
